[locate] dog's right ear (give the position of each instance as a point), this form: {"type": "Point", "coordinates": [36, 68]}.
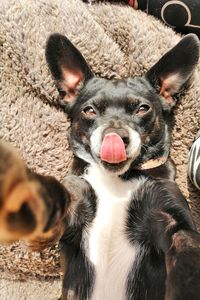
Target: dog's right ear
{"type": "Point", "coordinates": [68, 67]}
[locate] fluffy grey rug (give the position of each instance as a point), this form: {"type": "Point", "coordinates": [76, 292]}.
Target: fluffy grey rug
{"type": "Point", "coordinates": [116, 41]}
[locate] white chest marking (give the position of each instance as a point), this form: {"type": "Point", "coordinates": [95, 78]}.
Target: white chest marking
{"type": "Point", "coordinates": [109, 249]}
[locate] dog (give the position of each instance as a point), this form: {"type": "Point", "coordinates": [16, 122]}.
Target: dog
{"type": "Point", "coordinates": [124, 228]}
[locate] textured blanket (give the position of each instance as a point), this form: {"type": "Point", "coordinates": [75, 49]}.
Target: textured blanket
{"type": "Point", "coordinates": [116, 41]}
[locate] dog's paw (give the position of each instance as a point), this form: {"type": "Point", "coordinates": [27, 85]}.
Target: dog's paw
{"type": "Point", "coordinates": [21, 206]}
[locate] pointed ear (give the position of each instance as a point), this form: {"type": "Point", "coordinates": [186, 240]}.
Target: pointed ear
{"type": "Point", "coordinates": [169, 75]}
{"type": "Point", "coordinates": [68, 67]}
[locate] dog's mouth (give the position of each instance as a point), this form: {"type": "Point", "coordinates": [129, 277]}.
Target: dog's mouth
{"type": "Point", "coordinates": [117, 168]}
{"type": "Point", "coordinates": [113, 154]}
{"type": "Point", "coordinates": [113, 149]}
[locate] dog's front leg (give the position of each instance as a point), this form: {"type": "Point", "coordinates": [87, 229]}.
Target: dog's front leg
{"type": "Point", "coordinates": [31, 205]}
{"type": "Point", "coordinates": [183, 266]}
{"type": "Point", "coordinates": [34, 207]}
{"type": "Point", "coordinates": [174, 233]}
{"type": "Point", "coordinates": [160, 222]}
{"type": "Point", "coordinates": [71, 204]}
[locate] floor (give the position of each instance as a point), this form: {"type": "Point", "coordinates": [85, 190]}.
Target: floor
{"type": "Point", "coordinates": [31, 290]}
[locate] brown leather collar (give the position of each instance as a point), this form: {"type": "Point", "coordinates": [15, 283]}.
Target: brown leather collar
{"type": "Point", "coordinates": [153, 163]}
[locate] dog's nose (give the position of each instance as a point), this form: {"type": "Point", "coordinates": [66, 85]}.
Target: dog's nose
{"type": "Point", "coordinates": [123, 133]}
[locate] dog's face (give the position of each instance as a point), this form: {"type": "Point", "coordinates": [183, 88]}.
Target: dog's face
{"type": "Point", "coordinates": [114, 122]}
{"type": "Point", "coordinates": [120, 123]}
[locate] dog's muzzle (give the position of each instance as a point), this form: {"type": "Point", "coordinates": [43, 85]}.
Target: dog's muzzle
{"type": "Point", "coordinates": [115, 145]}
{"type": "Point", "coordinates": [113, 149]}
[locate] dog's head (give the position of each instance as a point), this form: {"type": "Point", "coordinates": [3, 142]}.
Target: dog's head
{"type": "Point", "coordinates": [120, 123]}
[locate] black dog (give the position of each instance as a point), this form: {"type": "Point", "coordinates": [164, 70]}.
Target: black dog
{"type": "Point", "coordinates": [125, 229]}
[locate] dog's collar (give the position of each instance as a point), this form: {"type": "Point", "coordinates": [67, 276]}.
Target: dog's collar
{"type": "Point", "coordinates": [159, 161]}
{"type": "Point", "coordinates": [152, 163]}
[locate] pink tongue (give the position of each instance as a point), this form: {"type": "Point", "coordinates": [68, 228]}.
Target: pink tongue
{"type": "Point", "coordinates": [113, 149]}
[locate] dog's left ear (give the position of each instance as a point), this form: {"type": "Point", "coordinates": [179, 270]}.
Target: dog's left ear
{"type": "Point", "coordinates": [68, 67]}
{"type": "Point", "coordinates": [169, 75]}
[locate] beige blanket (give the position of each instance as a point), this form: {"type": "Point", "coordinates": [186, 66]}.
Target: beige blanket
{"type": "Point", "coordinates": [116, 41]}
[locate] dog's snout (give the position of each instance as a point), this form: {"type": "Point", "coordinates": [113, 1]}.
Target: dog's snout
{"type": "Point", "coordinates": [123, 133]}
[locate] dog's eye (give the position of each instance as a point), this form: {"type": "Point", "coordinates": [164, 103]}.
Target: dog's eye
{"type": "Point", "coordinates": [143, 109]}
{"type": "Point", "coordinates": [89, 112]}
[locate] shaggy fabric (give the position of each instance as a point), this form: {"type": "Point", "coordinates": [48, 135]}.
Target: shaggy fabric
{"type": "Point", "coordinates": [116, 43]}
{"type": "Point", "coordinates": [31, 290]}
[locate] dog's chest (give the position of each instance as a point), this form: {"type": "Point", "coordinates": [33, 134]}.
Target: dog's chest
{"type": "Point", "coordinates": [109, 249]}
